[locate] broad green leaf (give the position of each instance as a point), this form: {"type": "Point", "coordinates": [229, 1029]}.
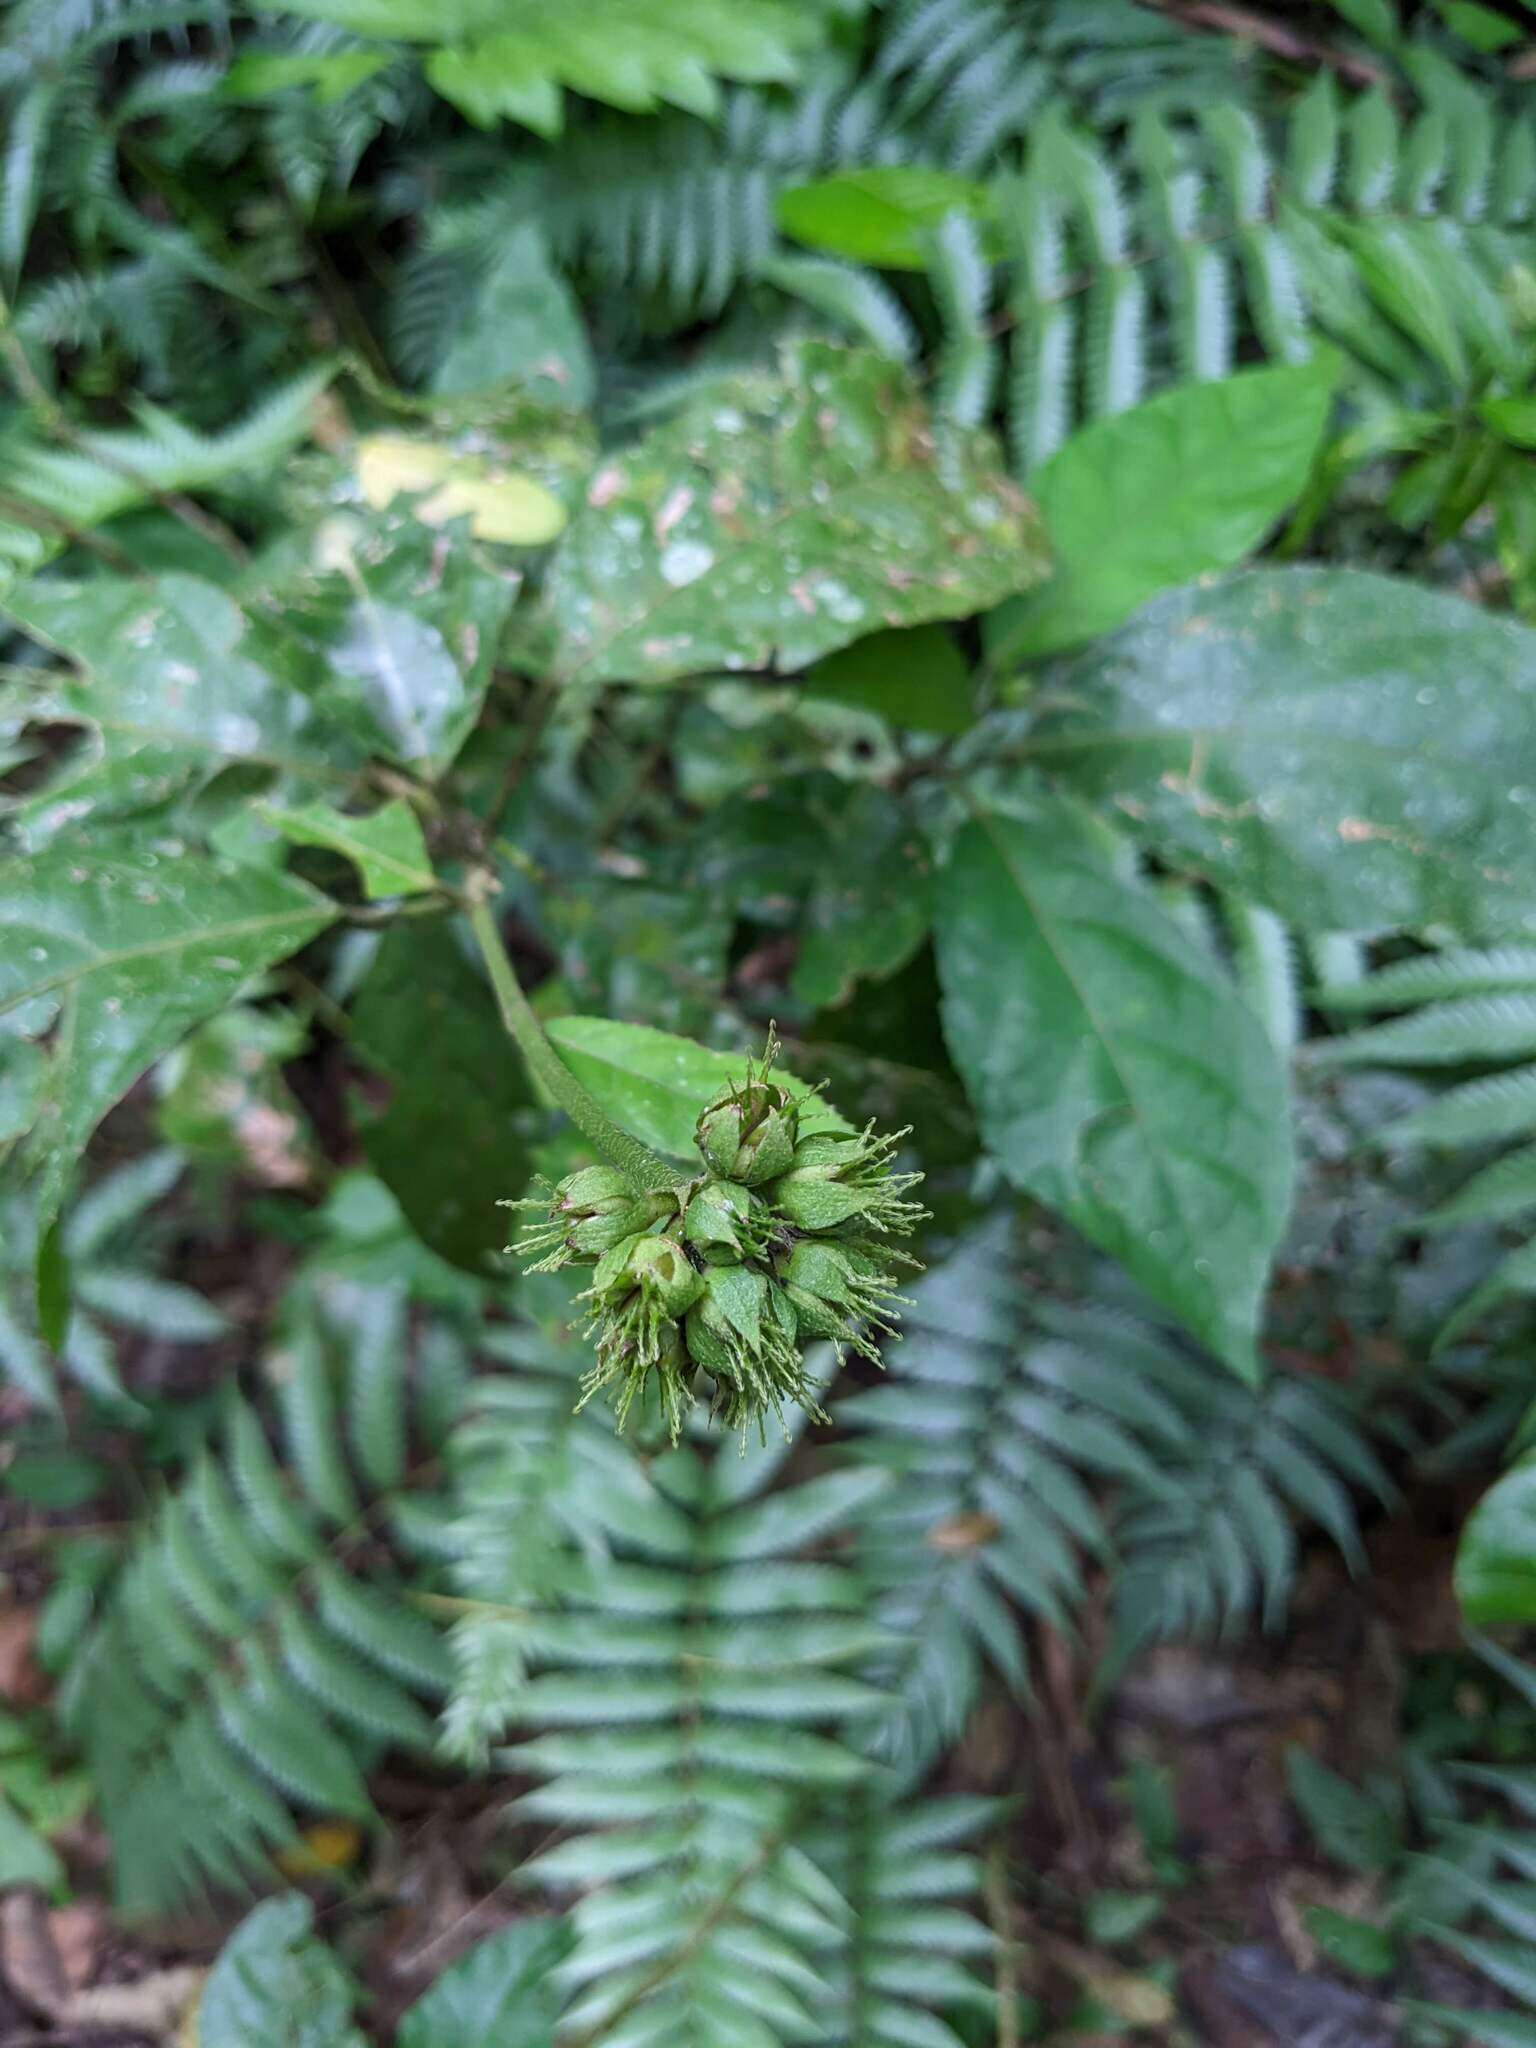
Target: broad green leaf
{"type": "Point", "coordinates": [1496, 1560]}
{"type": "Point", "coordinates": [1354, 751]}
{"type": "Point", "coordinates": [779, 519]}
{"type": "Point", "coordinates": [121, 954]}
{"type": "Point", "coordinates": [406, 628]}
{"type": "Point", "coordinates": [499, 504]}
{"type": "Point", "coordinates": [499, 1992]}
{"type": "Point", "coordinates": [276, 1982]}
{"type": "Point", "coordinates": [386, 848]}
{"type": "Point", "coordinates": [884, 215]}
{"type": "Point", "coordinates": [655, 1084]}
{"type": "Point", "coordinates": [524, 328]}
{"type": "Point", "coordinates": [180, 682]}
{"type": "Point", "coordinates": [511, 59]}
{"type": "Point", "coordinates": [25, 1858]}
{"type": "Point", "coordinates": [918, 679]}
{"type": "Point", "coordinates": [1115, 1071]}
{"type": "Point", "coordinates": [1150, 498]}
{"type": "Point", "coordinates": [453, 1139]}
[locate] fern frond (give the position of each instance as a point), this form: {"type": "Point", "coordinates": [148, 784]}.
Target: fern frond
{"type": "Point", "coordinates": [989, 1423]}
{"type": "Point", "coordinates": [255, 1654]}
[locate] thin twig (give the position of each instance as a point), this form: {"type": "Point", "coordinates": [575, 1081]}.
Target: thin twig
{"type": "Point", "coordinates": [1269, 34]}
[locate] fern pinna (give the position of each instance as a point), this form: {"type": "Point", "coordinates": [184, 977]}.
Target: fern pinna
{"type": "Point", "coordinates": [693, 1676]}
{"type": "Point", "coordinates": [261, 1646]}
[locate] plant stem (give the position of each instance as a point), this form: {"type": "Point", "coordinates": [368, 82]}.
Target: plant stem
{"type": "Point", "coordinates": [646, 1170]}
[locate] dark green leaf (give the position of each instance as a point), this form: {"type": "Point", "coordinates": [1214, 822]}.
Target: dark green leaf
{"type": "Point", "coordinates": [870, 907]}
{"type": "Point", "coordinates": [1354, 751]}
{"type": "Point", "coordinates": [1150, 498]}
{"type": "Point", "coordinates": [917, 679]}
{"type": "Point", "coordinates": [452, 1143]}
{"type": "Point", "coordinates": [25, 1858]}
{"type": "Point", "coordinates": [1115, 1071]}
{"type": "Point", "coordinates": [779, 519]}
{"type": "Point", "coordinates": [499, 1993]}
{"type": "Point", "coordinates": [1350, 1826]}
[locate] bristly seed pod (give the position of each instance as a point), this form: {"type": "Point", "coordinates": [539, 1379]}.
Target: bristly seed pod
{"type": "Point", "coordinates": [588, 1213]}
{"type": "Point", "coordinates": [836, 1178]}
{"type": "Point", "coordinates": [747, 1134]}
{"type": "Point", "coordinates": [782, 1241]}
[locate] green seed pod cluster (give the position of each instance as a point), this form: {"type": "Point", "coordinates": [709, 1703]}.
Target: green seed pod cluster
{"type": "Point", "coordinates": [716, 1284]}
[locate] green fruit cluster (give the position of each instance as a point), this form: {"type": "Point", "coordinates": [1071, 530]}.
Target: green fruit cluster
{"type": "Point", "coordinates": [717, 1283]}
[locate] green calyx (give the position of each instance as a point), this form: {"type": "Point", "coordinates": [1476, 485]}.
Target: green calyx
{"type": "Point", "coordinates": [711, 1288]}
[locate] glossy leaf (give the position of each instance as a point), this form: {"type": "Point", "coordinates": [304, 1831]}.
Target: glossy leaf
{"type": "Point", "coordinates": [1354, 751]}
{"type": "Point", "coordinates": [179, 681]}
{"type": "Point", "coordinates": [655, 1084]}
{"type": "Point", "coordinates": [779, 519]}
{"type": "Point", "coordinates": [1146, 499]}
{"type": "Point", "coordinates": [1496, 1563]}
{"type": "Point", "coordinates": [499, 1992]}
{"type": "Point", "coordinates": [884, 214]}
{"type": "Point", "coordinates": [123, 953]}
{"type": "Point", "coordinates": [386, 848]}
{"type": "Point", "coordinates": [1115, 1072]}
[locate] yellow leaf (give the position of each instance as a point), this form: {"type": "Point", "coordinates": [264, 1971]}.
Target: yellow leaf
{"type": "Point", "coordinates": [501, 504]}
{"type": "Point", "coordinates": [327, 1845]}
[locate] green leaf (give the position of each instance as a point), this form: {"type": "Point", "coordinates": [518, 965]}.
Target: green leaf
{"type": "Point", "coordinates": [25, 1858]}
{"type": "Point", "coordinates": [259, 74]}
{"type": "Point", "coordinates": [1116, 1073]}
{"type": "Point", "coordinates": [1513, 418]}
{"type": "Point", "coordinates": [499, 1992]}
{"type": "Point", "coordinates": [1354, 1944]}
{"type": "Point", "coordinates": [884, 215]}
{"type": "Point", "coordinates": [524, 328]}
{"type": "Point", "coordinates": [655, 1084]}
{"type": "Point", "coordinates": [1350, 1826]}
{"type": "Point", "coordinates": [782, 518]}
{"type": "Point", "coordinates": [452, 1142]}
{"type": "Point", "coordinates": [1496, 1560]}
{"type": "Point", "coordinates": [870, 908]}
{"type": "Point", "coordinates": [501, 504]}
{"type": "Point", "coordinates": [510, 59]}
{"type": "Point", "coordinates": [387, 847]}
{"type": "Point", "coordinates": [274, 1982]}
{"type": "Point", "coordinates": [1354, 751]}
{"type": "Point", "coordinates": [1149, 498]}
{"type": "Point", "coordinates": [918, 679]}
{"type": "Point", "coordinates": [174, 674]}
{"type": "Point", "coordinates": [122, 953]}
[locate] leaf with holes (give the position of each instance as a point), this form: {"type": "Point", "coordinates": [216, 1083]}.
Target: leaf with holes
{"type": "Point", "coordinates": [1116, 1072]}
{"type": "Point", "coordinates": [779, 519]}
{"type": "Point", "coordinates": [119, 955]}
